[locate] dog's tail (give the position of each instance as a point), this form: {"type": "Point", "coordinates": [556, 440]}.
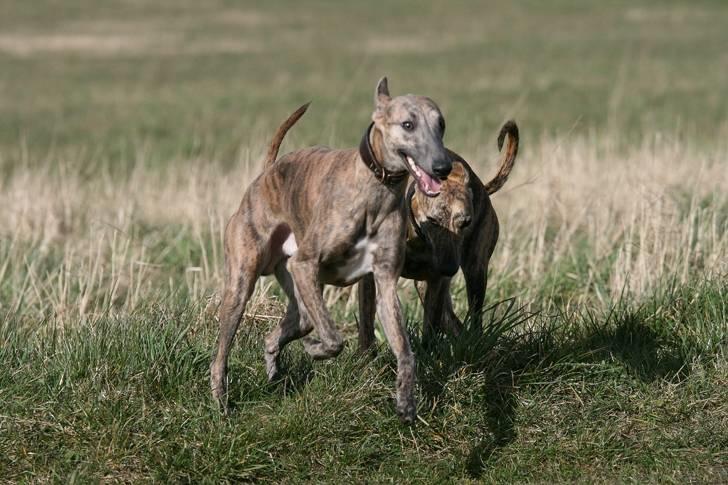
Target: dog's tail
{"type": "Point", "coordinates": [275, 143]}
{"type": "Point", "coordinates": [509, 157]}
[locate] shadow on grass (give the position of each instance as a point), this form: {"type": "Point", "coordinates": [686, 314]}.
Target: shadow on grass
{"type": "Point", "coordinates": [296, 372]}
{"type": "Point", "coordinates": [490, 352]}
{"type": "Point", "coordinates": [245, 388]}
{"type": "Point", "coordinates": [515, 343]}
{"type": "Point", "coordinates": [515, 348]}
{"type": "Point", "coordinates": [646, 352]}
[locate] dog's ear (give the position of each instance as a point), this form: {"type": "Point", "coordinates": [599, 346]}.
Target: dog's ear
{"type": "Point", "coordinates": [381, 94]}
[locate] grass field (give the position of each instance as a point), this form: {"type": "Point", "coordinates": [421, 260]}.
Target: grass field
{"type": "Point", "coordinates": [129, 131]}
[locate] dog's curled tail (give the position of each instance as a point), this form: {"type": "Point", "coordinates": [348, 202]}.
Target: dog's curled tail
{"type": "Point", "coordinates": [509, 157]}
{"type": "Point", "coordinates": [275, 143]}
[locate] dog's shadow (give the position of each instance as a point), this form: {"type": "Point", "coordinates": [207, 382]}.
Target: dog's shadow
{"type": "Point", "coordinates": [483, 351]}
{"type": "Point", "coordinates": [513, 346]}
{"type": "Point", "coordinates": [515, 343]}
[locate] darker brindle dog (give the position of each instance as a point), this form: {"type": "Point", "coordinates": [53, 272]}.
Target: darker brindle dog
{"type": "Point", "coordinates": [457, 229]}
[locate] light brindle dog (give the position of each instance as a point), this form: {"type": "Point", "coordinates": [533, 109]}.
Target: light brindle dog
{"type": "Point", "coordinates": [457, 229]}
{"type": "Point", "coordinates": [323, 216]}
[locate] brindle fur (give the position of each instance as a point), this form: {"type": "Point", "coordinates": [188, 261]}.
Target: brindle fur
{"type": "Point", "coordinates": [461, 230]}
{"type": "Point", "coordinates": [329, 201]}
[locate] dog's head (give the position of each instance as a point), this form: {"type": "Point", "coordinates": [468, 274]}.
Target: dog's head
{"type": "Point", "coordinates": [443, 221]}
{"type": "Point", "coordinates": [407, 134]}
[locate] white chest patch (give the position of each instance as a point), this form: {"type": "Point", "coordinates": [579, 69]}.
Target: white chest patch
{"type": "Point", "coordinates": [359, 262]}
{"type": "Point", "coordinates": [289, 245]}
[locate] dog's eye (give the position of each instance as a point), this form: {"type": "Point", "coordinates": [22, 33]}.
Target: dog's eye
{"type": "Point", "coordinates": [441, 123]}
{"type": "Point", "coordinates": [431, 220]}
{"type": "Point", "coordinates": [408, 125]}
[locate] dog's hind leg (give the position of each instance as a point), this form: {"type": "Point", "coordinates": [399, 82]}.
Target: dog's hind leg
{"type": "Point", "coordinates": [291, 326]}
{"type": "Point", "coordinates": [475, 267]}
{"type": "Point", "coordinates": [475, 282]}
{"type": "Point", "coordinates": [439, 314]}
{"type": "Point", "coordinates": [240, 277]}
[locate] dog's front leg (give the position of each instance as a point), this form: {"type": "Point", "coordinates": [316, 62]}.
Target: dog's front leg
{"type": "Point", "coordinates": [367, 306]}
{"type": "Point", "coordinates": [451, 322]}
{"type": "Point", "coordinates": [439, 314]}
{"type": "Point", "coordinates": [390, 316]}
{"type": "Point", "coordinates": [312, 307]}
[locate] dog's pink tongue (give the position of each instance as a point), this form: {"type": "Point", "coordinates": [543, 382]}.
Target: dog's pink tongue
{"type": "Point", "coordinates": [429, 185]}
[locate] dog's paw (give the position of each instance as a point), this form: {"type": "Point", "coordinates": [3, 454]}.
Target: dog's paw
{"type": "Point", "coordinates": [217, 382]}
{"type": "Point", "coordinates": [218, 386]}
{"type": "Point", "coordinates": [271, 366]}
{"type": "Point", "coordinates": [311, 345]}
{"type": "Point", "coordinates": [319, 350]}
{"type": "Point", "coordinates": [219, 397]}
{"type": "Point", "coordinates": [407, 412]}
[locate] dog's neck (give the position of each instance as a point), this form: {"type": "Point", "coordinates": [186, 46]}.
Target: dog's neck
{"type": "Point", "coordinates": [369, 148]}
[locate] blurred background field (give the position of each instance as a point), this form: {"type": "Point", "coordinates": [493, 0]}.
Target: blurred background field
{"type": "Point", "coordinates": [129, 131]}
{"type": "Point", "coordinates": [192, 78]}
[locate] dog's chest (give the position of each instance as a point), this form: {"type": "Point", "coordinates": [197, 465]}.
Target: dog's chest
{"type": "Point", "coordinates": [352, 265]}
{"type": "Point", "coordinates": [345, 269]}
{"type": "Point", "coordinates": [289, 245]}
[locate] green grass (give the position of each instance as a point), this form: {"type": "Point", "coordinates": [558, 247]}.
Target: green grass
{"type": "Point", "coordinates": [193, 78]}
{"type": "Point", "coordinates": [107, 299]}
{"type": "Point", "coordinates": [635, 392]}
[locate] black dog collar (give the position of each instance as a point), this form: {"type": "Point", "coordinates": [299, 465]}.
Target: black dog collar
{"type": "Point", "coordinates": [387, 177]}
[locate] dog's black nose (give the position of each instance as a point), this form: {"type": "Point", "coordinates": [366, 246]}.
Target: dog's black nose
{"type": "Point", "coordinates": [442, 170]}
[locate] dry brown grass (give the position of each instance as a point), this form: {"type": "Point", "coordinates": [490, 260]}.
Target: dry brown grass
{"type": "Point", "coordinates": [79, 247]}
{"type": "Point", "coordinates": [659, 208]}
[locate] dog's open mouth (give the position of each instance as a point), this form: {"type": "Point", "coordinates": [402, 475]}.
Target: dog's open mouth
{"type": "Point", "coordinates": [428, 184]}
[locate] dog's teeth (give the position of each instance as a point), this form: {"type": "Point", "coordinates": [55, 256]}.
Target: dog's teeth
{"type": "Point", "coordinates": [412, 164]}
